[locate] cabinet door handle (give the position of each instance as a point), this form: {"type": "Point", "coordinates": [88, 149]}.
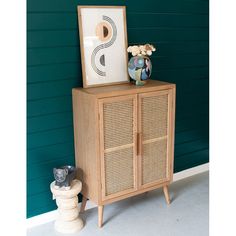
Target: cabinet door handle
{"type": "Point", "coordinates": [137, 144]}
{"type": "Point", "coordinates": [140, 144]}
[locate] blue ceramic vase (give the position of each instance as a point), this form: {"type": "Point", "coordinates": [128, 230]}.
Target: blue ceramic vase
{"type": "Point", "coordinates": [140, 69]}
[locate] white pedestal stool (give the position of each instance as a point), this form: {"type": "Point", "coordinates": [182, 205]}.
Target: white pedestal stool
{"type": "Point", "coordinates": [68, 220]}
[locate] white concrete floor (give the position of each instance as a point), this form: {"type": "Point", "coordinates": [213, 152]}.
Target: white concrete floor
{"type": "Point", "coordinates": [148, 214]}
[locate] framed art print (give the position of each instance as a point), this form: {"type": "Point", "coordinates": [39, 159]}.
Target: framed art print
{"type": "Point", "coordinates": [103, 44]}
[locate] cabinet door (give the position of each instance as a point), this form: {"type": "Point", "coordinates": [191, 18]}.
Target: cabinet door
{"type": "Point", "coordinates": [155, 137]}
{"type": "Point", "coordinates": [118, 128]}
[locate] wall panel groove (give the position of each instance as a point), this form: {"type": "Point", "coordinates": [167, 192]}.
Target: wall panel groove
{"type": "Point", "coordinates": [39, 150]}
{"type": "Point", "coordinates": [71, 37]}
{"type": "Point", "coordinates": [68, 20]}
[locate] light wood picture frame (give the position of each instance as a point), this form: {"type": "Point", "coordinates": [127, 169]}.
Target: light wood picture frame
{"type": "Point", "coordinates": [103, 44]}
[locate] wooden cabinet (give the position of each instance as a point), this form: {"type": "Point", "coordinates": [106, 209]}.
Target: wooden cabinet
{"type": "Point", "coordinates": [124, 140]}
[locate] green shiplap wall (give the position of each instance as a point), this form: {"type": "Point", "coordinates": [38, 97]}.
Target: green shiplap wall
{"type": "Point", "coordinates": [179, 28]}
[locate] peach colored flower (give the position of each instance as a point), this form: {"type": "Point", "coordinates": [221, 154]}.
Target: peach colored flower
{"type": "Point", "coordinates": [139, 50]}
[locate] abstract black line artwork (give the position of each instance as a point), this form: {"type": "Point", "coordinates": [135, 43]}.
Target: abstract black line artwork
{"type": "Point", "coordinates": [103, 45]}
{"type": "Point", "coordinates": [105, 32]}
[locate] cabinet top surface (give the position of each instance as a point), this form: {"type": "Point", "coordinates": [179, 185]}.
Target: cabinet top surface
{"type": "Point", "coordinates": [127, 88]}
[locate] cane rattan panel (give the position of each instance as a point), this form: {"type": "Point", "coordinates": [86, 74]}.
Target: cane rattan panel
{"type": "Point", "coordinates": [119, 171]}
{"type": "Point", "coordinates": [154, 112]}
{"type": "Point", "coordinates": [154, 161]}
{"type": "Point", "coordinates": [118, 123]}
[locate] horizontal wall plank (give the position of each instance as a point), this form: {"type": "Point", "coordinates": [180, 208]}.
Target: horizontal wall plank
{"type": "Point", "coordinates": [190, 147]}
{"type": "Point", "coordinates": [192, 116]}
{"type": "Point", "coordinates": [177, 61]}
{"type": "Point", "coordinates": [151, 6]}
{"type": "Point", "coordinates": [35, 171]}
{"type": "Point", "coordinates": [50, 137]}
{"type": "Point", "coordinates": [200, 110]}
{"type": "Point", "coordinates": [136, 35]}
{"type": "Point", "coordinates": [53, 72]}
{"type": "Point", "coordinates": [39, 185]}
{"type": "Point", "coordinates": [176, 74]}
{"type": "Point", "coordinates": [191, 126]}
{"type": "Point", "coordinates": [181, 48]}
{"type": "Point", "coordinates": [191, 135]}
{"type": "Point", "coordinates": [50, 152]}
{"type": "Point", "coordinates": [202, 123]}
{"type": "Point", "coordinates": [52, 89]}
{"type": "Point", "coordinates": [55, 38]}
{"type": "Point", "coordinates": [193, 101]}
{"type": "Point", "coordinates": [182, 74]}
{"type": "Point", "coordinates": [195, 86]}
{"type": "Point", "coordinates": [69, 20]}
{"type": "Point", "coordinates": [41, 56]}
{"type": "Point", "coordinates": [43, 184]}
{"type": "Point", "coordinates": [49, 106]}
{"type": "Point", "coordinates": [37, 211]}
{"type": "Point", "coordinates": [48, 122]}
{"type": "Point", "coordinates": [37, 56]}
{"type": "Point", "coordinates": [53, 55]}
{"type": "Point", "coordinates": [62, 6]}
{"type": "Point", "coordinates": [167, 20]}
{"type": "Point", "coordinates": [192, 121]}
{"type": "Point", "coordinates": [39, 201]}
{"type": "Point", "coordinates": [166, 34]}
{"type": "Point", "coordinates": [64, 87]}
{"type": "Point", "coordinates": [52, 21]}
{"type": "Point", "coordinates": [191, 108]}
{"type": "Point", "coordinates": [193, 159]}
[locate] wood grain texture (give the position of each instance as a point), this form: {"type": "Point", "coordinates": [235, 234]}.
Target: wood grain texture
{"type": "Point", "coordinates": [100, 215]}
{"type": "Point", "coordinates": [126, 89]}
{"type": "Point", "coordinates": [166, 193]}
{"type": "Point", "coordinates": [86, 136]}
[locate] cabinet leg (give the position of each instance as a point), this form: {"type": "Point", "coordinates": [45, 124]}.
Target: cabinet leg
{"type": "Point", "coordinates": [166, 193]}
{"type": "Point", "coordinates": [100, 215]}
{"type": "Point", "coordinates": [83, 204]}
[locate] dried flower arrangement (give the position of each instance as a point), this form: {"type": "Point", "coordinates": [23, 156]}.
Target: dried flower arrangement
{"type": "Point", "coordinates": [140, 50]}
